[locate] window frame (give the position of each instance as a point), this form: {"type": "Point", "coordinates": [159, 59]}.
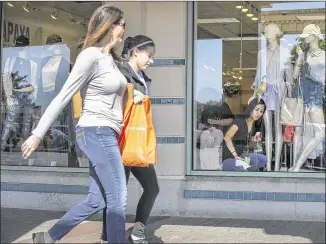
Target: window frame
{"type": "Point", "coordinates": [191, 37]}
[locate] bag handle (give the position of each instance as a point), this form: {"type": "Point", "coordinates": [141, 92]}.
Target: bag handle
{"type": "Point", "coordinates": [130, 91]}
{"type": "Point", "coordinates": [300, 90]}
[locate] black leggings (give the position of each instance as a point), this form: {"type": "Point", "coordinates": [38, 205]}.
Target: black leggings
{"type": "Point", "coordinates": [147, 178]}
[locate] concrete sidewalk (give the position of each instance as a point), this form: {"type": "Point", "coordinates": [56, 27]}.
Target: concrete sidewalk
{"type": "Point", "coordinates": [17, 226]}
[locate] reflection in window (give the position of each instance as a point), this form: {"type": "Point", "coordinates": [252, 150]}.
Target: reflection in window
{"type": "Point", "coordinates": [38, 53]}
{"type": "Point", "coordinates": [257, 58]}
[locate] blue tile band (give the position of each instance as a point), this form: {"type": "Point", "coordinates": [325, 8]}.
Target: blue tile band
{"type": "Point", "coordinates": [163, 100]}
{"type": "Point", "coordinates": [201, 194]}
{"type": "Point", "coordinates": [168, 62]}
{"type": "Point", "coordinates": [44, 188]}
{"type": "Point", "coordinates": [169, 140]}
{"type": "Point", "coordinates": [250, 196]}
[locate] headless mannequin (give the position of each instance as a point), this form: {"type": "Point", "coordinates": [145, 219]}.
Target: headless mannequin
{"type": "Point", "coordinates": [19, 78]}
{"type": "Point", "coordinates": [54, 71]}
{"type": "Point", "coordinates": [315, 113]}
{"type": "Point", "coordinates": [276, 70]}
{"type": "Point", "coordinates": [54, 74]}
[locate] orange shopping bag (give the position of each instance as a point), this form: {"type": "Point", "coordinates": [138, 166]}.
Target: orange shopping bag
{"type": "Point", "coordinates": [138, 139]}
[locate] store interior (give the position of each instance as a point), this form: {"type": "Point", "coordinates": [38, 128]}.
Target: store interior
{"type": "Point", "coordinates": [234, 33]}
{"type": "Point", "coordinates": [47, 36]}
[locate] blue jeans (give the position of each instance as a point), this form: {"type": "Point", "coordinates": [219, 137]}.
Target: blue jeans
{"type": "Point", "coordinates": [107, 185]}
{"type": "Point", "coordinates": [257, 161]}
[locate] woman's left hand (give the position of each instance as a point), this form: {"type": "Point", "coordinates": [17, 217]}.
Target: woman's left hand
{"type": "Point", "coordinates": [211, 121]}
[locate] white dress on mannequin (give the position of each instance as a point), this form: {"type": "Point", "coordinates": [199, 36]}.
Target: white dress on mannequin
{"type": "Point", "coordinates": [275, 66]}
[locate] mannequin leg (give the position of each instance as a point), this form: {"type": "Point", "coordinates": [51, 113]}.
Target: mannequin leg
{"type": "Point", "coordinates": [11, 125]}
{"type": "Point", "coordinates": [297, 143]}
{"type": "Point", "coordinates": [6, 132]}
{"type": "Point", "coordinates": [317, 118]}
{"type": "Point", "coordinates": [28, 112]}
{"type": "Point", "coordinates": [278, 140]}
{"type": "Point", "coordinates": [268, 138]}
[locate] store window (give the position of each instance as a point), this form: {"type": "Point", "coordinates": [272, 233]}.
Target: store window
{"type": "Point", "coordinates": [259, 87]}
{"type": "Point", "coordinates": [41, 41]}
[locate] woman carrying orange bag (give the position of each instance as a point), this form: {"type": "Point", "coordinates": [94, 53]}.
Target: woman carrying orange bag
{"type": "Point", "coordinates": [139, 50]}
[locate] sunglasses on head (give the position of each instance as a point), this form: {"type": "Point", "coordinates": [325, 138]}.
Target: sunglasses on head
{"type": "Point", "coordinates": [123, 25]}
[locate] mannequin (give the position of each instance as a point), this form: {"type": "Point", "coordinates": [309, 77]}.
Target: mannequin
{"type": "Point", "coordinates": [273, 66]}
{"type": "Point", "coordinates": [310, 69]}
{"type": "Point", "coordinates": [54, 69]}
{"type": "Point", "coordinates": [19, 83]}
{"type": "Point", "coordinates": [53, 73]}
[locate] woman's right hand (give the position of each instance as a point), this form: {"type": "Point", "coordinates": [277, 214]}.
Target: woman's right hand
{"type": "Point", "coordinates": [138, 97]}
{"type": "Point", "coordinates": [238, 158]}
{"type": "Point", "coordinates": [30, 145]}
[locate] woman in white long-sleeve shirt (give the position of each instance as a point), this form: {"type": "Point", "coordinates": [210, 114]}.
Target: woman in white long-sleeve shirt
{"type": "Point", "coordinates": [102, 88]}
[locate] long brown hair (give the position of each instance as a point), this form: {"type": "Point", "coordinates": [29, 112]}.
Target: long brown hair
{"type": "Point", "coordinates": [99, 25]}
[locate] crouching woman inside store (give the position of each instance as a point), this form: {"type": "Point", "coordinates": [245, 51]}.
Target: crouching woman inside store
{"type": "Point", "coordinates": [238, 146]}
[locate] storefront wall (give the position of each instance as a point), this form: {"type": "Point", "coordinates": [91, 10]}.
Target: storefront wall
{"type": "Point", "coordinates": [279, 197]}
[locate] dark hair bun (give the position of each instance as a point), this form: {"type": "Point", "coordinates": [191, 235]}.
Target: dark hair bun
{"type": "Point", "coordinates": [128, 44]}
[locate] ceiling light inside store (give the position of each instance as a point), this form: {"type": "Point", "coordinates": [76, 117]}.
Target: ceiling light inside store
{"type": "Point", "coordinates": [311, 17]}
{"type": "Point", "coordinates": [10, 4]}
{"type": "Point", "coordinates": [250, 14]}
{"type": "Point", "coordinates": [55, 14]}
{"type": "Point", "coordinates": [254, 18]}
{"type": "Point", "coordinates": [27, 7]}
{"type": "Point", "coordinates": [214, 21]}
{"type": "Point", "coordinates": [244, 9]}
{"type": "Point", "coordinates": [238, 6]}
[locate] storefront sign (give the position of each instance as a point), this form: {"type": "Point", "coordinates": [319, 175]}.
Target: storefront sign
{"type": "Point", "coordinates": [12, 31]}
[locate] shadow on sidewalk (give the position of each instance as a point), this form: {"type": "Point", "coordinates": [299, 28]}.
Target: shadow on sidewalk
{"type": "Point", "coordinates": [315, 231]}
{"type": "Point", "coordinates": [18, 223]}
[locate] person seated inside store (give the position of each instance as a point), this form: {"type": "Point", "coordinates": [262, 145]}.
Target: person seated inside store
{"type": "Point", "coordinates": [215, 120]}
{"type": "Point", "coordinates": [241, 141]}
{"type": "Point", "coordinates": [221, 116]}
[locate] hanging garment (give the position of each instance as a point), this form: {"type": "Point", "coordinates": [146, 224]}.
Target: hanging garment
{"type": "Point", "coordinates": [12, 81]}
{"type": "Point", "coordinates": [210, 149]}
{"type": "Point", "coordinates": [273, 66]}
{"type": "Point", "coordinates": [49, 73]}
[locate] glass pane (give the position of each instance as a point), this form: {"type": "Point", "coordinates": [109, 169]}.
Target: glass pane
{"type": "Point", "coordinates": [41, 43]}
{"type": "Point", "coordinates": [246, 53]}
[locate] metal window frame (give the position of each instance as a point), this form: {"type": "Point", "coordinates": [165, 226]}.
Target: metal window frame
{"type": "Point", "coordinates": [191, 31]}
